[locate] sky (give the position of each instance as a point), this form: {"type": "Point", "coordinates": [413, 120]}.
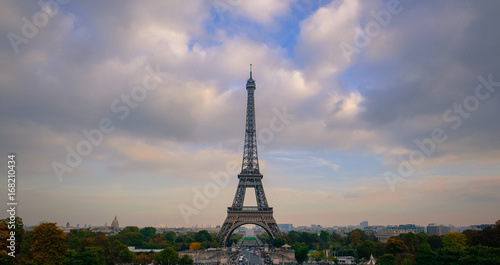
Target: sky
{"type": "Point", "coordinates": [384, 111]}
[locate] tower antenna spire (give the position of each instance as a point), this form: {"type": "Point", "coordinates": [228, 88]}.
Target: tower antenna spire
{"type": "Point", "coordinates": [250, 71]}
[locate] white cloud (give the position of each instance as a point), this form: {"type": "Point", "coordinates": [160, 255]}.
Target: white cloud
{"type": "Point", "coordinates": [261, 11]}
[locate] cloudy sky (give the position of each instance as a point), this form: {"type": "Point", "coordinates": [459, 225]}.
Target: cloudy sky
{"type": "Point", "coordinates": [377, 110]}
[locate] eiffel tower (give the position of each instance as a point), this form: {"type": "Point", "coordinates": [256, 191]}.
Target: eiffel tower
{"type": "Point", "coordinates": [250, 177]}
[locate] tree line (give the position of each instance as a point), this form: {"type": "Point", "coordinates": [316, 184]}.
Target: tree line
{"type": "Point", "coordinates": [476, 247]}
{"type": "Point", "coordinates": [47, 244]}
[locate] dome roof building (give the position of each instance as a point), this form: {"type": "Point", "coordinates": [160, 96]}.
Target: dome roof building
{"type": "Point", "coordinates": [115, 224]}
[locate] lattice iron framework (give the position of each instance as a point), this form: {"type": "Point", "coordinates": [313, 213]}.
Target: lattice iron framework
{"type": "Point", "coordinates": [250, 177]}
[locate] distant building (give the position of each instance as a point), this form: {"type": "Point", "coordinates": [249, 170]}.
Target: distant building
{"type": "Point", "coordinates": [481, 227]}
{"type": "Point", "coordinates": [439, 230]}
{"type": "Point", "coordinates": [67, 224]}
{"type": "Point", "coordinates": [447, 229]}
{"type": "Point", "coordinates": [316, 228]}
{"type": "Point", "coordinates": [285, 227]}
{"type": "Point", "coordinates": [363, 224]}
{"type": "Point", "coordinates": [433, 230]}
{"type": "Point", "coordinates": [384, 235]}
{"type": "Point", "coordinates": [115, 225]}
{"type": "Point", "coordinates": [346, 260]}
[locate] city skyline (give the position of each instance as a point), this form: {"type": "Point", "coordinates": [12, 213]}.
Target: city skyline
{"type": "Point", "coordinates": [382, 112]}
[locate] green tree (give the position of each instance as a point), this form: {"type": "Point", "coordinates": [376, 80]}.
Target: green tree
{"type": "Point", "coordinates": [278, 242]}
{"type": "Point", "coordinates": [49, 245]}
{"type": "Point", "coordinates": [92, 256]}
{"type": "Point", "coordinates": [455, 241]}
{"type": "Point", "coordinates": [411, 241]}
{"type": "Point", "coordinates": [324, 238]}
{"type": "Point", "coordinates": [186, 260]}
{"type": "Point", "coordinates": [387, 259]}
{"type": "Point", "coordinates": [72, 258]}
{"type": "Point", "coordinates": [167, 256]}
{"type": "Point", "coordinates": [119, 253]}
{"type": "Point", "coordinates": [130, 229]}
{"type": "Point", "coordinates": [170, 236]}
{"type": "Point", "coordinates": [148, 233]}
{"type": "Point", "coordinates": [130, 236]}
{"type": "Point", "coordinates": [436, 242]}
{"type": "Point", "coordinates": [365, 250]}
{"type": "Point", "coordinates": [318, 255]}
{"type": "Point", "coordinates": [24, 256]}
{"type": "Point", "coordinates": [301, 254]}
{"type": "Point", "coordinates": [406, 261]}
{"type": "Point", "coordinates": [481, 255]}
{"type": "Point", "coordinates": [425, 255]}
{"type": "Point", "coordinates": [454, 245]}
{"type": "Point", "coordinates": [203, 236]}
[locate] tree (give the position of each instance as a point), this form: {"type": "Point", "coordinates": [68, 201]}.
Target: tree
{"type": "Point", "coordinates": [473, 237]}
{"type": "Point", "coordinates": [102, 241]}
{"type": "Point", "coordinates": [203, 236]}
{"type": "Point", "coordinates": [130, 229]}
{"type": "Point", "coordinates": [18, 228]}
{"type": "Point", "coordinates": [49, 244]}
{"type": "Point", "coordinates": [318, 255]}
{"type": "Point", "coordinates": [489, 236]}
{"type": "Point", "coordinates": [24, 256]}
{"type": "Point", "coordinates": [4, 235]}
{"type": "Point", "coordinates": [278, 242]}
{"type": "Point", "coordinates": [119, 253]}
{"type": "Point", "coordinates": [170, 236]}
{"type": "Point", "coordinates": [406, 261]}
{"type": "Point", "coordinates": [436, 242]}
{"type": "Point", "coordinates": [145, 258]}
{"type": "Point", "coordinates": [481, 255]}
{"type": "Point", "coordinates": [355, 237]}
{"type": "Point", "coordinates": [425, 255]}
{"type": "Point", "coordinates": [167, 256]}
{"type": "Point", "coordinates": [301, 254]}
{"type": "Point", "coordinates": [130, 236]}
{"type": "Point", "coordinates": [195, 246]}
{"type": "Point", "coordinates": [92, 256]}
{"type": "Point", "coordinates": [395, 246]}
{"type": "Point", "coordinates": [365, 250]}
{"type": "Point", "coordinates": [455, 241]}
{"type": "Point", "coordinates": [411, 241]}
{"type": "Point", "coordinates": [186, 260]}
{"type": "Point", "coordinates": [148, 233]}
{"type": "Point", "coordinates": [386, 259]}
{"type": "Point", "coordinates": [324, 238]}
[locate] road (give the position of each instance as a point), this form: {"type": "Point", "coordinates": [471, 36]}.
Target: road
{"type": "Point", "coordinates": [252, 259]}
